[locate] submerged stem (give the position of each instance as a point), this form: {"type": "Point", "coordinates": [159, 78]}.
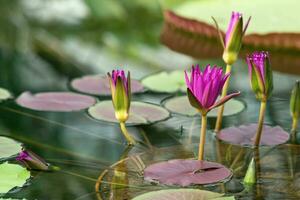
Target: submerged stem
{"type": "Point", "coordinates": [221, 109]}
{"type": "Point", "coordinates": [260, 122]}
{"type": "Point", "coordinates": [202, 138]}
{"type": "Point", "coordinates": [126, 134]}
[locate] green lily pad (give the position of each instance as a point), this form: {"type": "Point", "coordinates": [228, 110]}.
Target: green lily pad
{"type": "Point", "coordinates": [9, 147]}
{"type": "Point", "coordinates": [168, 82]}
{"type": "Point", "coordinates": [140, 113]}
{"type": "Point", "coordinates": [263, 19]}
{"type": "Point", "coordinates": [11, 176]}
{"type": "Point", "coordinates": [181, 105]}
{"type": "Point", "coordinates": [4, 94]}
{"type": "Point", "coordinates": [179, 194]}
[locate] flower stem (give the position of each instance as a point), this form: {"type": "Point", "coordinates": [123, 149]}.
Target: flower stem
{"type": "Point", "coordinates": [127, 135]}
{"type": "Point", "coordinates": [221, 109]}
{"type": "Point", "coordinates": [202, 138]}
{"type": "Point", "coordinates": [295, 124]}
{"type": "Point", "coordinates": [260, 122]}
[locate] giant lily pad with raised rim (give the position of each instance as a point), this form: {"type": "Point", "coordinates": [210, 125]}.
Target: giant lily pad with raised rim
{"type": "Point", "coordinates": [168, 82]}
{"type": "Point", "coordinates": [11, 176]}
{"type": "Point", "coordinates": [180, 194]}
{"type": "Point", "coordinates": [186, 172]}
{"type": "Point", "coordinates": [181, 105]}
{"type": "Point", "coordinates": [245, 135]}
{"type": "Point", "coordinates": [9, 147]}
{"type": "Point", "coordinates": [4, 94]}
{"type": "Point", "coordinates": [99, 85]}
{"type": "Point", "coordinates": [140, 113]}
{"type": "Point", "coordinates": [55, 101]}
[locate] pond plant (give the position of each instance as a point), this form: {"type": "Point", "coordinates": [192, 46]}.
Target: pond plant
{"type": "Point", "coordinates": [120, 86]}
{"type": "Point", "coordinates": [295, 106]}
{"type": "Point", "coordinates": [231, 45]}
{"type": "Point", "coordinates": [203, 89]}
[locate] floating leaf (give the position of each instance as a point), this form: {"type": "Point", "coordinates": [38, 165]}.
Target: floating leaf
{"type": "Point", "coordinates": [55, 101]}
{"type": "Point", "coordinates": [99, 85]}
{"type": "Point", "coordinates": [186, 172]}
{"type": "Point", "coordinates": [245, 135]}
{"type": "Point", "coordinates": [181, 105]}
{"type": "Point", "coordinates": [11, 176]}
{"type": "Point", "coordinates": [8, 147]}
{"type": "Point", "coordinates": [4, 94]}
{"type": "Point", "coordinates": [179, 194]}
{"type": "Point", "coordinates": [140, 113]}
{"type": "Point", "coordinates": [166, 82]}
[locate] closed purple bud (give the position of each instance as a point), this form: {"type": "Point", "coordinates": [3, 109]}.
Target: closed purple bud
{"type": "Point", "coordinates": [32, 161]}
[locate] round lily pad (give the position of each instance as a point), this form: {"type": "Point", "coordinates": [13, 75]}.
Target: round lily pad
{"type": "Point", "coordinates": [11, 176]}
{"type": "Point", "coordinates": [55, 101]}
{"type": "Point", "coordinates": [140, 113]}
{"type": "Point", "coordinates": [181, 105]}
{"type": "Point", "coordinates": [4, 94]}
{"type": "Point", "coordinates": [179, 194]}
{"type": "Point", "coordinates": [168, 82]}
{"type": "Point", "coordinates": [245, 135]}
{"type": "Point", "coordinates": [186, 172]}
{"type": "Point", "coordinates": [9, 147]}
{"type": "Point", "coordinates": [99, 85]}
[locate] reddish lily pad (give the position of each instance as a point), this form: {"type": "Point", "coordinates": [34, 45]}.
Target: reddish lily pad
{"type": "Point", "coordinates": [245, 135]}
{"type": "Point", "coordinates": [186, 172]}
{"type": "Point", "coordinates": [181, 105]}
{"type": "Point", "coordinates": [179, 194]}
{"type": "Point", "coordinates": [140, 113]}
{"type": "Point", "coordinates": [99, 85]}
{"type": "Point", "coordinates": [55, 101]}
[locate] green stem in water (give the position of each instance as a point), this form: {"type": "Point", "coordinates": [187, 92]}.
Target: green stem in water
{"type": "Point", "coordinates": [260, 122]}
{"type": "Point", "coordinates": [202, 138]}
{"type": "Point", "coordinates": [127, 135]}
{"type": "Point", "coordinates": [295, 124]}
{"type": "Point", "coordinates": [221, 109]}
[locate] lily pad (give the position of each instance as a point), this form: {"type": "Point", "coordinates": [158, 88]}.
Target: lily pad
{"type": "Point", "coordinates": [99, 85]}
{"type": "Point", "coordinates": [168, 82]}
{"type": "Point", "coordinates": [245, 135]}
{"type": "Point", "coordinates": [186, 172]}
{"type": "Point", "coordinates": [179, 194]}
{"type": "Point", "coordinates": [11, 176]}
{"type": "Point", "coordinates": [181, 105]}
{"type": "Point", "coordinates": [4, 94]}
{"type": "Point", "coordinates": [9, 147]}
{"type": "Point", "coordinates": [55, 101]}
{"type": "Point", "coordinates": [140, 113]}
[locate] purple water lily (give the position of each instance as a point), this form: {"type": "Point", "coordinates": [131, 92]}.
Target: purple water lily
{"type": "Point", "coordinates": [121, 93]}
{"type": "Point", "coordinates": [261, 79]}
{"type": "Point", "coordinates": [32, 161]}
{"type": "Point", "coordinates": [203, 88]}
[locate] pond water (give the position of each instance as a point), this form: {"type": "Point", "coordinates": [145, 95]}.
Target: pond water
{"type": "Point", "coordinates": [94, 160]}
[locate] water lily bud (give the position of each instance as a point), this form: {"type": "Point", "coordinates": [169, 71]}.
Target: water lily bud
{"type": "Point", "coordinates": [203, 88]}
{"type": "Point", "coordinates": [32, 161]}
{"type": "Point", "coordinates": [233, 38]}
{"type": "Point", "coordinates": [295, 101]}
{"type": "Point", "coordinates": [260, 72]}
{"type": "Point", "coordinates": [250, 177]}
{"type": "Point", "coordinates": [121, 93]}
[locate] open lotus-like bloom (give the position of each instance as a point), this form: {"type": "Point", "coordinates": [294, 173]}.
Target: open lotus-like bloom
{"type": "Point", "coordinates": [32, 161]}
{"type": "Point", "coordinates": [203, 88]}
{"type": "Point", "coordinates": [233, 38]}
{"type": "Point", "coordinates": [260, 72]}
{"type": "Point", "coordinates": [121, 93]}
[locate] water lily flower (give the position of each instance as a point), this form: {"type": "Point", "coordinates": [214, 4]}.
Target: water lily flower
{"type": "Point", "coordinates": [203, 89]}
{"type": "Point", "coordinates": [121, 93]}
{"type": "Point", "coordinates": [32, 161]}
{"type": "Point", "coordinates": [295, 105]}
{"type": "Point", "coordinates": [260, 72]}
{"type": "Point", "coordinates": [121, 96]}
